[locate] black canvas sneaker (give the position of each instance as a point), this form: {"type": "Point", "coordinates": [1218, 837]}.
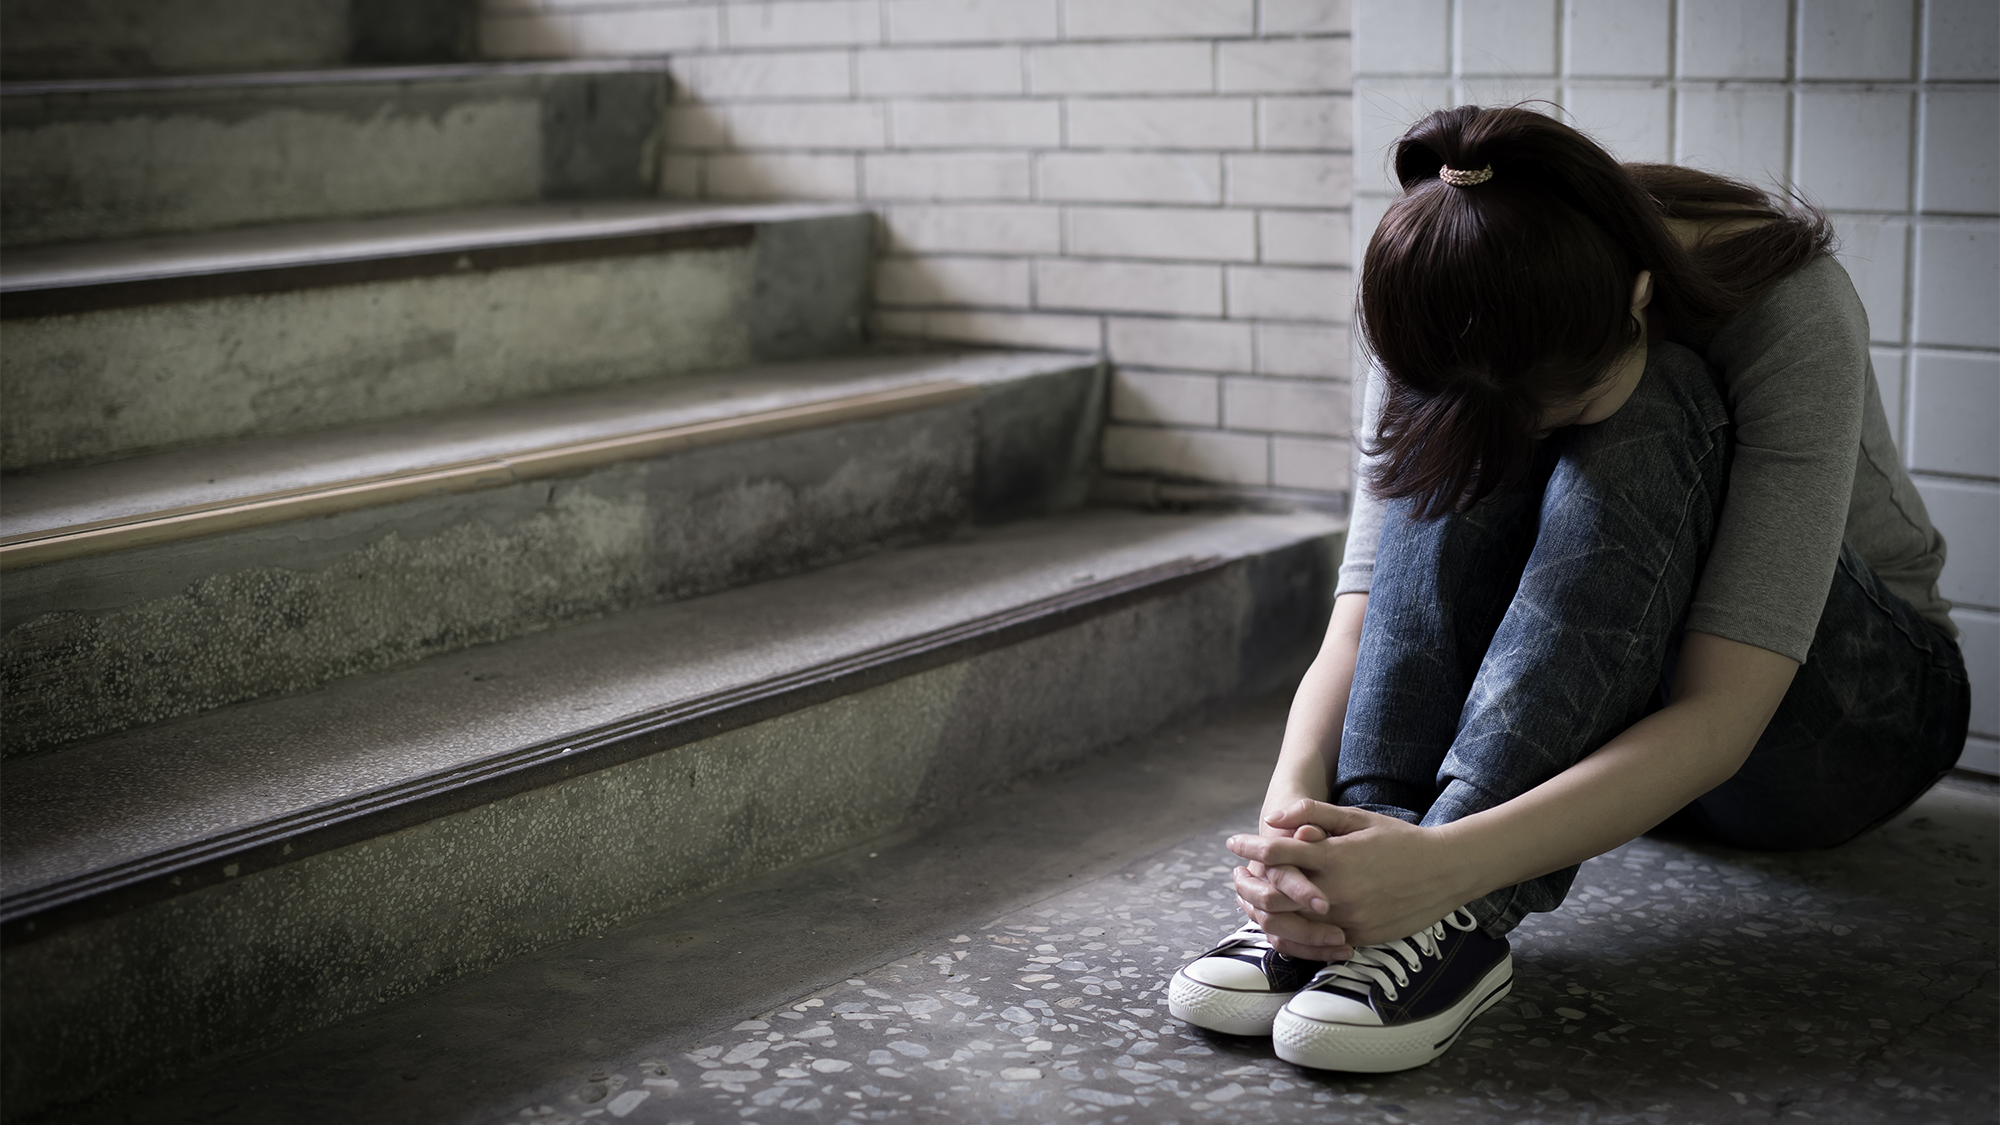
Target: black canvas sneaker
{"type": "Point", "coordinates": [1398, 1004]}
{"type": "Point", "coordinates": [1238, 987]}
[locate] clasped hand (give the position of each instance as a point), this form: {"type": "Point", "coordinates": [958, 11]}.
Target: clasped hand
{"type": "Point", "coordinates": [1324, 878]}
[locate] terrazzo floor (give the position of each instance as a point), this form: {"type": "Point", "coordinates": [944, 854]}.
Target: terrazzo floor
{"type": "Point", "coordinates": [1681, 983]}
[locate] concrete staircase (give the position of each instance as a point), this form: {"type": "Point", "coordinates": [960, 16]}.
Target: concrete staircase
{"type": "Point", "coordinates": [420, 546]}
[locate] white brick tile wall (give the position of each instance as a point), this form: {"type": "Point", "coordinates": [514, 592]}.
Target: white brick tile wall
{"type": "Point", "coordinates": [1033, 330]}
{"type": "Point", "coordinates": [971, 21]}
{"type": "Point", "coordinates": [935, 280]}
{"type": "Point", "coordinates": [1958, 272]}
{"type": "Point", "coordinates": [1319, 465]}
{"type": "Point", "coordinates": [1617, 38]}
{"type": "Point", "coordinates": [1961, 168]}
{"type": "Point", "coordinates": [1211, 455]}
{"type": "Point", "coordinates": [1123, 68]}
{"type": "Point", "coordinates": [1979, 641]}
{"type": "Point", "coordinates": [1888, 364]}
{"type": "Point", "coordinates": [1288, 406]}
{"type": "Point", "coordinates": [1305, 238]}
{"type": "Point", "coordinates": [1163, 123]}
{"type": "Point", "coordinates": [1505, 91]}
{"type": "Point", "coordinates": [1307, 351]}
{"type": "Point", "coordinates": [1384, 109]}
{"type": "Point", "coordinates": [1159, 19]}
{"type": "Point", "coordinates": [1968, 514]}
{"type": "Point", "coordinates": [681, 178]}
{"type": "Point", "coordinates": [1739, 130]}
{"type": "Point", "coordinates": [1068, 283]}
{"type": "Point", "coordinates": [600, 33]}
{"type": "Point", "coordinates": [1049, 173]}
{"type": "Point", "coordinates": [896, 175]}
{"type": "Point", "coordinates": [1961, 40]}
{"type": "Point", "coordinates": [1289, 293]}
{"type": "Point", "coordinates": [1176, 342]}
{"type": "Point", "coordinates": [776, 75]}
{"type": "Point", "coordinates": [1164, 398]}
{"type": "Point", "coordinates": [1321, 123]}
{"type": "Point", "coordinates": [1875, 251]}
{"type": "Point", "coordinates": [1507, 37]}
{"type": "Point", "coordinates": [1854, 148]}
{"type": "Point", "coordinates": [1206, 234]}
{"type": "Point", "coordinates": [1955, 413]}
{"type": "Point", "coordinates": [779, 125]}
{"type": "Point", "coordinates": [1630, 119]}
{"type": "Point", "coordinates": [1408, 37]}
{"type": "Point", "coordinates": [1130, 177]}
{"type": "Point", "coordinates": [773, 175]}
{"type": "Point", "coordinates": [1734, 38]}
{"type": "Point", "coordinates": [1285, 66]}
{"type": "Point", "coordinates": [976, 123]}
{"type": "Point", "coordinates": [1288, 179]}
{"type": "Point", "coordinates": [1304, 17]}
{"type": "Point", "coordinates": [802, 23]}
{"type": "Point", "coordinates": [931, 72]}
{"type": "Point", "coordinates": [1857, 39]}
{"type": "Point", "coordinates": [996, 230]}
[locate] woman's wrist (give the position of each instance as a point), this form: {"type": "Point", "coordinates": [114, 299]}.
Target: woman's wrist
{"type": "Point", "coordinates": [1462, 861]}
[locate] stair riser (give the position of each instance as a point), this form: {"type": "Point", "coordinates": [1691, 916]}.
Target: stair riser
{"type": "Point", "coordinates": [98, 385]}
{"type": "Point", "coordinates": [108, 642]}
{"type": "Point", "coordinates": [122, 163]}
{"type": "Point", "coordinates": [105, 38]}
{"type": "Point", "coordinates": [132, 998]}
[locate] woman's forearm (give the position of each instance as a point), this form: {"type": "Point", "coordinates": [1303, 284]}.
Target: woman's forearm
{"type": "Point", "coordinates": [1724, 695]}
{"type": "Point", "coordinates": [1312, 730]}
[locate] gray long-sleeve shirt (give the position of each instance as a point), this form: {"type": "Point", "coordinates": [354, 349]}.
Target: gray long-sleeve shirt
{"type": "Point", "coordinates": [1814, 464]}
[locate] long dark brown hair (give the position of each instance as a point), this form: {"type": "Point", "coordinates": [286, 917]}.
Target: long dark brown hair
{"type": "Point", "coordinates": [1486, 304]}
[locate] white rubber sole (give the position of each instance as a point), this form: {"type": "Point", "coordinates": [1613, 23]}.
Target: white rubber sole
{"type": "Point", "coordinates": [1227, 1010]}
{"type": "Point", "coordinates": [1368, 1049]}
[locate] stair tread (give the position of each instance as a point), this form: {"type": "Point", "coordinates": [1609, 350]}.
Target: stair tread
{"type": "Point", "coordinates": [44, 503]}
{"type": "Point", "coordinates": [128, 796]}
{"type": "Point", "coordinates": [330, 241]}
{"type": "Point", "coordinates": [331, 76]}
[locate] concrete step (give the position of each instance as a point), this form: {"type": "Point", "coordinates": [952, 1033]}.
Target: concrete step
{"type": "Point", "coordinates": [162, 586]}
{"type": "Point", "coordinates": [119, 347]}
{"type": "Point", "coordinates": [54, 39]}
{"type": "Point", "coordinates": [235, 878]}
{"type": "Point", "coordinates": [121, 157]}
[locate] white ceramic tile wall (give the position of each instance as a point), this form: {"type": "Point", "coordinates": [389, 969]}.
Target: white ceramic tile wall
{"type": "Point", "coordinates": [1884, 112]}
{"type": "Point", "coordinates": [1164, 180]}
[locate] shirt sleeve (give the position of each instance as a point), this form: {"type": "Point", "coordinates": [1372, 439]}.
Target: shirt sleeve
{"type": "Point", "coordinates": [1796, 369]}
{"type": "Point", "coordinates": [1364, 516]}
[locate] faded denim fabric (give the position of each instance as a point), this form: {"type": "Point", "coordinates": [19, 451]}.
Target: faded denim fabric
{"type": "Point", "coordinates": [1505, 643]}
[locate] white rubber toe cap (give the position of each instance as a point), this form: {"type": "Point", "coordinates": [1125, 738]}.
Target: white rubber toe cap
{"type": "Point", "coordinates": [1227, 972]}
{"type": "Point", "coordinates": [1333, 1007]}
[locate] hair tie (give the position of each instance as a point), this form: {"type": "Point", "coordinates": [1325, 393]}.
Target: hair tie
{"type": "Point", "coordinates": [1459, 177]}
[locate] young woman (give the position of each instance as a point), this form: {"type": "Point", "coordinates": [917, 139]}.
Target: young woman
{"type": "Point", "coordinates": [1635, 543]}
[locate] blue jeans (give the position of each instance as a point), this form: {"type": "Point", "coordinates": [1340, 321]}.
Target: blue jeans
{"type": "Point", "coordinates": [1505, 643]}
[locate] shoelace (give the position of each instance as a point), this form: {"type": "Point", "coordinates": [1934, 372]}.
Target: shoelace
{"type": "Point", "coordinates": [1247, 935]}
{"type": "Point", "coordinates": [1391, 963]}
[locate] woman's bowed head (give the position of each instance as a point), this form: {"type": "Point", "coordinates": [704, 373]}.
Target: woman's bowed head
{"type": "Point", "coordinates": [1505, 307]}
{"type": "Point", "coordinates": [1628, 465]}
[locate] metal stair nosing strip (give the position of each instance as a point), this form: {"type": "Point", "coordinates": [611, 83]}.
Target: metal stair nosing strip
{"type": "Point", "coordinates": [103, 536]}
{"type": "Point", "coordinates": [36, 912]}
{"type": "Point", "coordinates": [332, 76]}
{"type": "Point", "coordinates": [23, 300]}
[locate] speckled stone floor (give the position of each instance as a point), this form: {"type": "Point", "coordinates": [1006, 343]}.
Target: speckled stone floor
{"type": "Point", "coordinates": [1681, 983]}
